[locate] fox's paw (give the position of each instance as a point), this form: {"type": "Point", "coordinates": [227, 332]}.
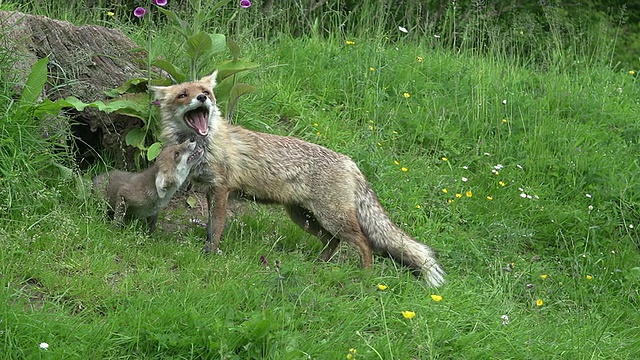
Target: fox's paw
{"type": "Point", "coordinates": [207, 249]}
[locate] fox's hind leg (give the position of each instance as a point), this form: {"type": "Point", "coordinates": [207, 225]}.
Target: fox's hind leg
{"type": "Point", "coordinates": [345, 225]}
{"type": "Point", "coordinates": [307, 221]}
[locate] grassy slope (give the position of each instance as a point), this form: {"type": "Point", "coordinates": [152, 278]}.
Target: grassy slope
{"type": "Point", "coordinates": [90, 290]}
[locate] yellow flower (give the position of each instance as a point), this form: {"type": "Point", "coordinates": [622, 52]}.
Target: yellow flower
{"type": "Point", "coordinates": [419, 59]}
{"type": "Point", "coordinates": [370, 127]}
{"type": "Point", "coordinates": [406, 95]}
{"type": "Point", "coordinates": [631, 72]}
{"type": "Point", "coordinates": [315, 124]}
{"type": "Point", "coordinates": [539, 302]}
{"type": "Point", "coordinates": [458, 196]}
{"type": "Point", "coordinates": [349, 42]}
{"type": "Point", "coordinates": [353, 351]}
{"type": "Point", "coordinates": [445, 191]}
{"type": "Point", "coordinates": [450, 201]}
{"type": "Point", "coordinates": [505, 121]}
{"type": "Point", "coordinates": [408, 314]}
{"type": "Point", "coordinates": [501, 183]}
{"type": "Point", "coordinates": [396, 162]}
{"type": "Point", "coordinates": [318, 133]}
{"type": "Point", "coordinates": [445, 159]}
{"type": "Point", "coordinates": [350, 357]}
{"type": "Point", "coordinates": [352, 354]}
{"type": "Point", "coordinates": [544, 276]}
{"type": "Point", "coordinates": [404, 169]}
{"type": "Point", "coordinates": [379, 144]}
{"type": "Point", "coordinates": [469, 193]}
{"type": "Point", "coordinates": [110, 13]}
{"type": "Point", "coordinates": [394, 132]}
{"type": "Point", "coordinates": [382, 287]}
{"type": "Point", "coordinates": [436, 298]}
{"type": "Point", "coordinates": [489, 198]}
{"type": "Point", "coordinates": [418, 206]}
{"type": "Point", "coordinates": [589, 277]}
{"type": "Point", "coordinates": [371, 68]}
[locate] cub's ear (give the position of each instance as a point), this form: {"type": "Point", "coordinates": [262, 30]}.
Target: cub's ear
{"type": "Point", "coordinates": [159, 91]}
{"type": "Point", "coordinates": [161, 185]}
{"type": "Point", "coordinates": [211, 79]}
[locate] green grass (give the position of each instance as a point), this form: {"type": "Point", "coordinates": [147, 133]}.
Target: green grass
{"type": "Point", "coordinates": [569, 137]}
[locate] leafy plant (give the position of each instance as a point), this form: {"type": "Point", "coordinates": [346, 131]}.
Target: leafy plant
{"type": "Point", "coordinates": [201, 50]}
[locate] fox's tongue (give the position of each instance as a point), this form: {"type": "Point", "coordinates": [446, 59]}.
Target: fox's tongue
{"type": "Point", "coordinates": [197, 119]}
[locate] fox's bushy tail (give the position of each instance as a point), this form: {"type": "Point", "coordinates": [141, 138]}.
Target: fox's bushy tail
{"type": "Point", "coordinates": [388, 239]}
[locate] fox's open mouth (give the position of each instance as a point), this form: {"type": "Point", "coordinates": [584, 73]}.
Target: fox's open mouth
{"type": "Point", "coordinates": [195, 155]}
{"type": "Point", "coordinates": [198, 119]}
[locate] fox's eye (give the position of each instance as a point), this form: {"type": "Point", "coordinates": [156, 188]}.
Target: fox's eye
{"type": "Point", "coordinates": [206, 92]}
{"type": "Point", "coordinates": [182, 96]}
{"type": "Point", "coordinates": [176, 154]}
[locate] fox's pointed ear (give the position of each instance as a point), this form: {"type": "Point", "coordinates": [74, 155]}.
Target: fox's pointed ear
{"type": "Point", "coordinates": [161, 185]}
{"type": "Point", "coordinates": [159, 91]}
{"type": "Point", "coordinates": [211, 79]}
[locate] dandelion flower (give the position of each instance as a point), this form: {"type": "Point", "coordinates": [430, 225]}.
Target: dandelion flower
{"type": "Point", "coordinates": [44, 346]}
{"type": "Point", "coordinates": [445, 190]}
{"type": "Point", "coordinates": [404, 169]}
{"type": "Point", "coordinates": [406, 95]}
{"type": "Point", "coordinates": [631, 72]}
{"type": "Point", "coordinates": [544, 276]}
{"type": "Point", "coordinates": [489, 198]}
{"type": "Point", "coordinates": [469, 193]}
{"type": "Point", "coordinates": [419, 59]}
{"type": "Point", "coordinates": [382, 287]}
{"type": "Point", "coordinates": [408, 314]}
{"type": "Point", "coordinates": [539, 302]}
{"type": "Point", "coordinates": [589, 277]}
{"type": "Point", "coordinates": [349, 42]}
{"type": "Point", "coordinates": [245, 4]}
{"type": "Point", "coordinates": [139, 12]}
{"type": "Point", "coordinates": [436, 298]}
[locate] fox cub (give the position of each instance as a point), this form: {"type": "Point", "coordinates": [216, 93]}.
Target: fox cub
{"type": "Point", "coordinates": [142, 195]}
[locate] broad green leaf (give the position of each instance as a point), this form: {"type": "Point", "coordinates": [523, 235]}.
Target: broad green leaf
{"type": "Point", "coordinates": [219, 43]}
{"type": "Point", "coordinates": [228, 68]}
{"type": "Point", "coordinates": [234, 95]}
{"type": "Point", "coordinates": [198, 44]}
{"type": "Point", "coordinates": [135, 137]}
{"type": "Point", "coordinates": [171, 69]}
{"type": "Point", "coordinates": [179, 24]}
{"type": "Point", "coordinates": [35, 82]}
{"type": "Point", "coordinates": [128, 85]}
{"type": "Point", "coordinates": [234, 48]}
{"type": "Point", "coordinates": [154, 150]}
{"type": "Point", "coordinates": [191, 201]}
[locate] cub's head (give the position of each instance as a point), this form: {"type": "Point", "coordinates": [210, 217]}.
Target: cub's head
{"type": "Point", "coordinates": [174, 164]}
{"type": "Point", "coordinates": [188, 107]}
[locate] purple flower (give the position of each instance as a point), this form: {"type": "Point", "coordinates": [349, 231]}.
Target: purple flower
{"type": "Point", "coordinates": [245, 4]}
{"type": "Point", "coordinates": [139, 12]}
{"type": "Point", "coordinates": [160, 2]}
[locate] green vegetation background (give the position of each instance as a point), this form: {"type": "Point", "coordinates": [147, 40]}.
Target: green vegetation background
{"type": "Point", "coordinates": [508, 143]}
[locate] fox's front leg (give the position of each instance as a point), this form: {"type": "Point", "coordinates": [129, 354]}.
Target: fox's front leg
{"type": "Point", "coordinates": [217, 198]}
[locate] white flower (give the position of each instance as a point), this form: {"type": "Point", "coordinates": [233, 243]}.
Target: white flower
{"type": "Point", "coordinates": [590, 207]}
{"type": "Point", "coordinates": [588, 195]}
{"type": "Point", "coordinates": [498, 167]}
{"type": "Point", "coordinates": [630, 226]}
{"type": "Point", "coordinates": [505, 319]}
{"type": "Point", "coordinates": [465, 167]}
{"type": "Point", "coordinates": [464, 179]}
{"type": "Point", "coordinates": [519, 166]}
{"type": "Point", "coordinates": [44, 345]}
{"type": "Point", "coordinates": [504, 102]}
{"type": "Point", "coordinates": [436, 36]}
{"type": "Point", "coordinates": [403, 29]}
{"type": "Point", "coordinates": [523, 195]}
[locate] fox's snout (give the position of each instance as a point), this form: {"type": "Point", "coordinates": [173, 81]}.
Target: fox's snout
{"type": "Point", "coordinates": [202, 98]}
